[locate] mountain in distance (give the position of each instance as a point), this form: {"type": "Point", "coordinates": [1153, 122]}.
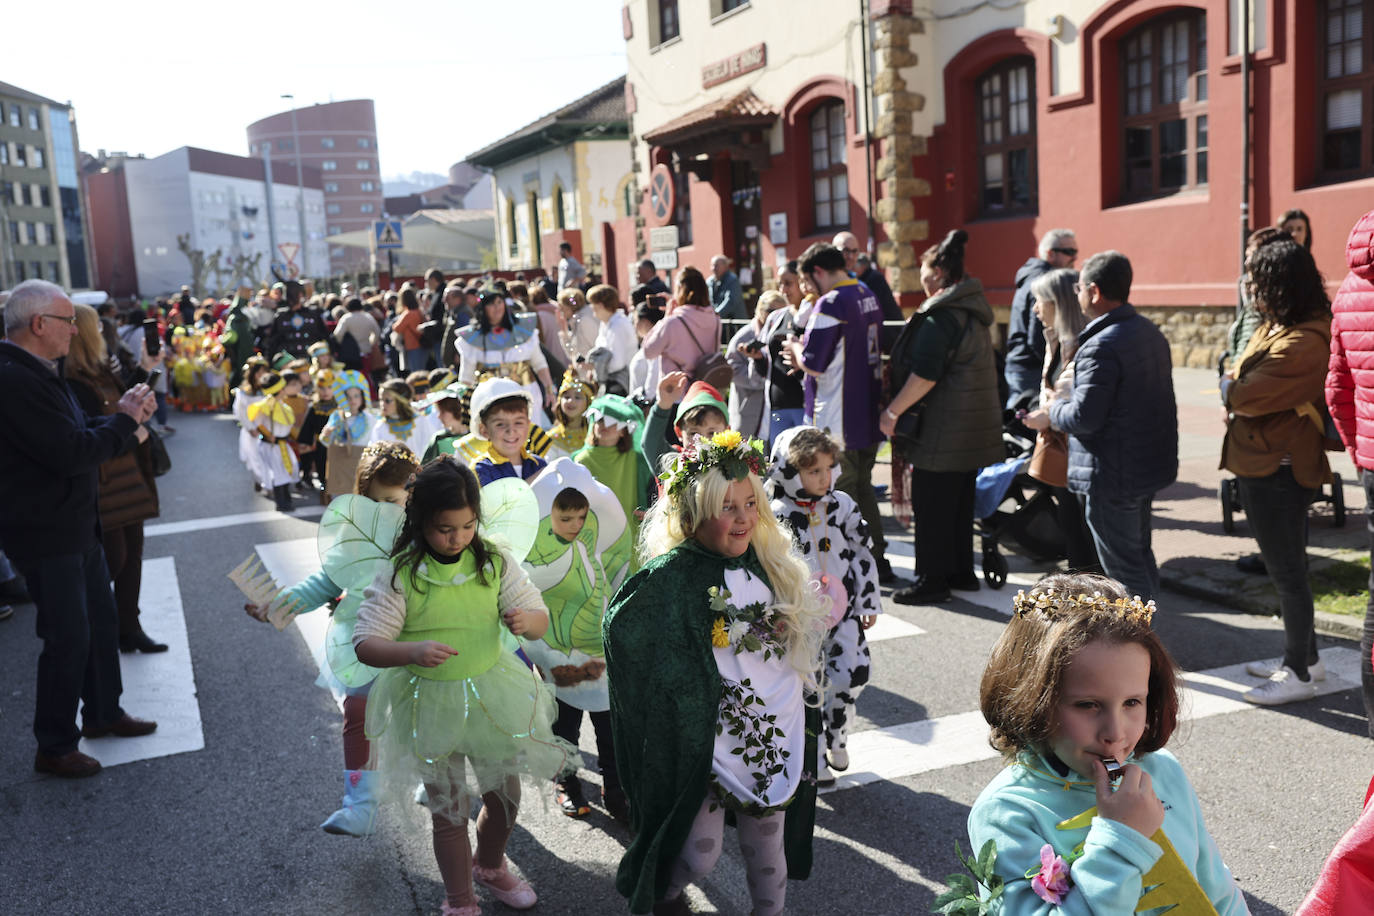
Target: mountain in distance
{"type": "Point", "coordinates": [414, 183]}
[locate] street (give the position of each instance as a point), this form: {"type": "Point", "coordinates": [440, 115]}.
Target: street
{"type": "Point", "coordinates": [218, 811]}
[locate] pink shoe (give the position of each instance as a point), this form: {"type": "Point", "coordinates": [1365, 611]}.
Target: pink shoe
{"type": "Point", "coordinates": [505, 887]}
{"type": "Point", "coordinates": [472, 909]}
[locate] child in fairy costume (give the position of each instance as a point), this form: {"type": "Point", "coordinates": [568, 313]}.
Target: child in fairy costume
{"type": "Point", "coordinates": [711, 651]}
{"type": "Point", "coordinates": [356, 535]}
{"type": "Point", "coordinates": [581, 523]}
{"type": "Point", "coordinates": [352, 419]}
{"type": "Point", "coordinates": [614, 458]}
{"type": "Point", "coordinates": [569, 432]}
{"type": "Point", "coordinates": [452, 406]}
{"type": "Point", "coordinates": [454, 708]}
{"type": "Point", "coordinates": [830, 532]}
{"type": "Point", "coordinates": [1077, 678]}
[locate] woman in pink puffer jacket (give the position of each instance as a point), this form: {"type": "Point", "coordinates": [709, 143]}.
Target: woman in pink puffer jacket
{"type": "Point", "coordinates": [1350, 395]}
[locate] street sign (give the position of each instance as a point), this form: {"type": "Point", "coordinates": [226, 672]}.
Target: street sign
{"type": "Point", "coordinates": [664, 260]}
{"type": "Point", "coordinates": [388, 233]}
{"type": "Point", "coordinates": [289, 250]}
{"type": "Point", "coordinates": [663, 238]}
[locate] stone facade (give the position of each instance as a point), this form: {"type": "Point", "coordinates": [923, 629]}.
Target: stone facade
{"type": "Point", "coordinates": [1197, 335]}
{"type": "Point", "coordinates": [897, 186]}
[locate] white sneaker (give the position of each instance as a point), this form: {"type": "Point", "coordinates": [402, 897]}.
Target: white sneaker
{"type": "Point", "coordinates": [838, 758]}
{"type": "Point", "coordinates": [1316, 670]}
{"type": "Point", "coordinates": [1283, 687]}
{"type": "Point", "coordinates": [823, 775]}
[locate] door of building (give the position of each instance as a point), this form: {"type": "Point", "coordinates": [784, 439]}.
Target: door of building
{"type": "Point", "coordinates": [748, 218]}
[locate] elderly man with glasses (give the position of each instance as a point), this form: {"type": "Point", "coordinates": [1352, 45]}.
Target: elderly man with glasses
{"type": "Point", "coordinates": [1025, 333]}
{"type": "Point", "coordinates": [50, 527]}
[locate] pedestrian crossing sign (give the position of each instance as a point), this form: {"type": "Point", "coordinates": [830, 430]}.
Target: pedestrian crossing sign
{"type": "Point", "coordinates": [387, 233]}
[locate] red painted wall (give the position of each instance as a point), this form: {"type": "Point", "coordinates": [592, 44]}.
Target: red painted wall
{"type": "Point", "coordinates": [112, 250]}
{"type": "Point", "coordinates": [1185, 249]}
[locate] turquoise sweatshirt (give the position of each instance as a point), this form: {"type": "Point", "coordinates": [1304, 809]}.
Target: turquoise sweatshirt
{"type": "Point", "coordinates": [1022, 806]}
{"type": "Point", "coordinates": [314, 591]}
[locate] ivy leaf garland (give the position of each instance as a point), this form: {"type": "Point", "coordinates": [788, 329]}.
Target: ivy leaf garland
{"type": "Point", "coordinates": [962, 898]}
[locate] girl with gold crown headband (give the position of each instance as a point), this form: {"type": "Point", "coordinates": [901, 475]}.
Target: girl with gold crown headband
{"type": "Point", "coordinates": [1080, 694]}
{"type": "Point", "coordinates": [712, 650]}
{"type": "Point", "coordinates": [569, 432]}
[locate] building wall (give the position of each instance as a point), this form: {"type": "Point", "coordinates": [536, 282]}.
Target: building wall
{"type": "Point", "coordinates": [344, 133]}
{"type": "Point", "coordinates": [167, 199]}
{"type": "Point", "coordinates": [112, 244]}
{"type": "Point", "coordinates": [44, 198]}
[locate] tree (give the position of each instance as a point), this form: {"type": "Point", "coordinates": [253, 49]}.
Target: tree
{"type": "Point", "coordinates": [245, 269]}
{"type": "Point", "coordinates": [202, 265]}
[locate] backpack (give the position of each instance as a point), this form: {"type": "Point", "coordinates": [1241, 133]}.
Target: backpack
{"type": "Point", "coordinates": [711, 367]}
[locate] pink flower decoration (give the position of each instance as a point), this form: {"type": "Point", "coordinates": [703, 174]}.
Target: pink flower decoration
{"type": "Point", "coordinates": [1051, 884]}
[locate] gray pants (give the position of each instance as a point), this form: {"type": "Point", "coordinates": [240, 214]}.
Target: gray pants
{"type": "Point", "coordinates": [856, 479]}
{"type": "Point", "coordinates": [1276, 508]}
{"type": "Point", "coordinates": [1121, 530]}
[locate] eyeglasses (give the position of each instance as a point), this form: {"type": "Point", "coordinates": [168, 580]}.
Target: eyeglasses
{"type": "Point", "coordinates": [70, 319]}
{"type": "Point", "coordinates": [1079, 287]}
{"type": "Point", "coordinates": [1068, 252]}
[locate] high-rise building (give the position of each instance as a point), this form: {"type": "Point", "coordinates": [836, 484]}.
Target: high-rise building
{"type": "Point", "coordinates": [42, 223]}
{"type": "Point", "coordinates": [340, 140]}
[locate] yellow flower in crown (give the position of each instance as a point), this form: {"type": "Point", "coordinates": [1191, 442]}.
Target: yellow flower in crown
{"type": "Point", "coordinates": [728, 438]}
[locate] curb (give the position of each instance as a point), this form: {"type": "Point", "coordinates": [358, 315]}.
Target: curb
{"type": "Point", "coordinates": [1338, 626]}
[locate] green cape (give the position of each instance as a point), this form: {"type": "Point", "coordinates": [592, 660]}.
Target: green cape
{"type": "Point", "coordinates": [665, 699]}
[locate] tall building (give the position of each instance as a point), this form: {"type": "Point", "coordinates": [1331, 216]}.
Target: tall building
{"type": "Point", "coordinates": [153, 220]}
{"type": "Point", "coordinates": [42, 223]}
{"type": "Point", "coordinates": [1124, 120]}
{"type": "Point", "coordinates": [340, 140]}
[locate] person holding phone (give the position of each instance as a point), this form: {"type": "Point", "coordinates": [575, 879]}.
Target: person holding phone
{"type": "Point", "coordinates": [747, 358]}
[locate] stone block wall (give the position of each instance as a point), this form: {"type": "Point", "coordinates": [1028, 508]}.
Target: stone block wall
{"type": "Point", "coordinates": [1197, 335]}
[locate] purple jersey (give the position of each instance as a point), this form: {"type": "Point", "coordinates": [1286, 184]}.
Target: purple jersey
{"type": "Point", "coordinates": [841, 342]}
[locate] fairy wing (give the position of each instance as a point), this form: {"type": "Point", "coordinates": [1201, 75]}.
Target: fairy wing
{"type": "Point", "coordinates": [355, 539]}
{"type": "Point", "coordinates": [510, 515]}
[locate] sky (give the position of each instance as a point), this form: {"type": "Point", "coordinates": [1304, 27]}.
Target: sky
{"type": "Point", "coordinates": [448, 78]}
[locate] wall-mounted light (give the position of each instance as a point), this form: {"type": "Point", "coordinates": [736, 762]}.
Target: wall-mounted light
{"type": "Point", "coordinates": [1056, 26]}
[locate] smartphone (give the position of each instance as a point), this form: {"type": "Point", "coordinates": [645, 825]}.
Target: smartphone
{"type": "Point", "coordinates": [153, 378]}
{"type": "Point", "coordinates": [150, 336]}
{"type": "Point", "coordinates": [754, 346]}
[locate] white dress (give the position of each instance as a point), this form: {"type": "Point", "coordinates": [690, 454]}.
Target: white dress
{"type": "Point", "coordinates": [509, 354]}
{"type": "Point", "coordinates": [778, 688]}
{"type": "Point", "coordinates": [248, 436]}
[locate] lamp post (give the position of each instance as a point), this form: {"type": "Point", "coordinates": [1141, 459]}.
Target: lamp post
{"type": "Point", "coordinates": [300, 181]}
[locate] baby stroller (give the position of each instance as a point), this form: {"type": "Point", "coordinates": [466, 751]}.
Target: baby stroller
{"type": "Point", "coordinates": [1009, 503]}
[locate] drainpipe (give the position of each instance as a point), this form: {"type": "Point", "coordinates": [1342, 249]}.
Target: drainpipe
{"type": "Point", "coordinates": [1244, 128]}
{"type": "Point", "coordinates": [868, 124]}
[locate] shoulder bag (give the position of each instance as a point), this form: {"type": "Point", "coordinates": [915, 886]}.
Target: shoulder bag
{"type": "Point", "coordinates": [711, 366]}
{"type": "Point", "coordinates": [157, 449]}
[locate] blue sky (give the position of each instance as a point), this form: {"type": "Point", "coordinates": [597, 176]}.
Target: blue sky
{"type": "Point", "coordinates": [448, 77]}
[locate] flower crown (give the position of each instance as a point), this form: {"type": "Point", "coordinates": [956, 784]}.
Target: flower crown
{"type": "Point", "coordinates": [727, 450]}
{"type": "Point", "coordinates": [1054, 605]}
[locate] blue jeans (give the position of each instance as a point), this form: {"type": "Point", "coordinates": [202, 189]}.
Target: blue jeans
{"type": "Point", "coordinates": [786, 418]}
{"type": "Point", "coordinates": [1121, 530]}
{"type": "Point", "coordinates": [1276, 507]}
{"type": "Point", "coordinates": [161, 413]}
{"type": "Point", "coordinates": [79, 664]}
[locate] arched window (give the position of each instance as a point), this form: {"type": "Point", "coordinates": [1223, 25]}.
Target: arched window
{"type": "Point", "coordinates": [1346, 88]}
{"type": "Point", "coordinates": [1164, 115]}
{"type": "Point", "coordinates": [559, 220]}
{"type": "Point", "coordinates": [1006, 138]}
{"type": "Point", "coordinates": [829, 168]}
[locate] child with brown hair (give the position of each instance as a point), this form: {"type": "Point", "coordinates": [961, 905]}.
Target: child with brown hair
{"type": "Point", "coordinates": [379, 495]}
{"type": "Point", "coordinates": [616, 461]}
{"type": "Point", "coordinates": [1078, 690]}
{"type": "Point", "coordinates": [569, 432]}
{"type": "Point", "coordinates": [831, 534]}
{"type": "Point", "coordinates": [615, 343]}
{"type": "Point", "coordinates": [398, 422]}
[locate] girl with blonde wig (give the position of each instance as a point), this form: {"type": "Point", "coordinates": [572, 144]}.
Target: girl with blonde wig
{"type": "Point", "coordinates": [712, 654]}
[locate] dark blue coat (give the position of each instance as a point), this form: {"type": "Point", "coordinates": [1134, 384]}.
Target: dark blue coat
{"type": "Point", "coordinates": [1025, 335]}
{"type": "Point", "coordinates": [50, 457]}
{"type": "Point", "coordinates": [1122, 420]}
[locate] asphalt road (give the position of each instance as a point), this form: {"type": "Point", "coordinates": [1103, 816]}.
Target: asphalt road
{"type": "Point", "coordinates": [233, 827]}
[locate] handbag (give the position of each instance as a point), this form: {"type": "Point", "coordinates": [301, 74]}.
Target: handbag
{"type": "Point", "coordinates": [711, 367]}
{"type": "Point", "coordinates": [157, 449]}
{"type": "Point", "coordinates": [907, 430]}
{"type": "Point", "coordinates": [1049, 462]}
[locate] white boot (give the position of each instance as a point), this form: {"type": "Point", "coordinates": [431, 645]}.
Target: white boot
{"type": "Point", "coordinates": [358, 816]}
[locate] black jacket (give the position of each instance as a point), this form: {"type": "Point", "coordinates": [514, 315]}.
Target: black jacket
{"type": "Point", "coordinates": [1025, 333]}
{"type": "Point", "coordinates": [293, 331]}
{"type": "Point", "coordinates": [50, 457]}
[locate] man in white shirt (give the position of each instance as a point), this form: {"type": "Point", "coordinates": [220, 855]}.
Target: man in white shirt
{"type": "Point", "coordinates": [570, 270]}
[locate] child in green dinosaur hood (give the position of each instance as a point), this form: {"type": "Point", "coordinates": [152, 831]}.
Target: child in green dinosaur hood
{"type": "Point", "coordinates": [616, 461]}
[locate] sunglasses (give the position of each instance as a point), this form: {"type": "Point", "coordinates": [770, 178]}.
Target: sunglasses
{"type": "Point", "coordinates": [1079, 287]}
{"type": "Point", "coordinates": [1068, 252]}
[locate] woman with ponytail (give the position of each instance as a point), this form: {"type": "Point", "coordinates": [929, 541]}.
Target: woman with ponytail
{"type": "Point", "coordinates": [945, 356]}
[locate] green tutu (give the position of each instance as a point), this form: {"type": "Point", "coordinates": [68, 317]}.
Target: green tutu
{"type": "Point", "coordinates": [466, 737]}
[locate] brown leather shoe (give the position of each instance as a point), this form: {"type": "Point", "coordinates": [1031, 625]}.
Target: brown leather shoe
{"type": "Point", "coordinates": [75, 765]}
{"type": "Point", "coordinates": [126, 726]}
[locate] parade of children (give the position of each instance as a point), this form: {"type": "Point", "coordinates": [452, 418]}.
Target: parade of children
{"type": "Point", "coordinates": [595, 594]}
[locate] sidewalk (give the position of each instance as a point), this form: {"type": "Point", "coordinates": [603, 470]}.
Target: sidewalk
{"type": "Point", "coordinates": [1196, 557]}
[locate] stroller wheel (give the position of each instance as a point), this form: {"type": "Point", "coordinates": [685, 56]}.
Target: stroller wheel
{"type": "Point", "coordinates": [1337, 502]}
{"type": "Point", "coordinates": [995, 569]}
{"type": "Point", "coordinates": [1228, 502]}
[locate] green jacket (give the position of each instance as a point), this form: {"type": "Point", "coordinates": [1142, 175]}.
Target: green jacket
{"type": "Point", "coordinates": [665, 698]}
{"type": "Point", "coordinates": [237, 338]}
